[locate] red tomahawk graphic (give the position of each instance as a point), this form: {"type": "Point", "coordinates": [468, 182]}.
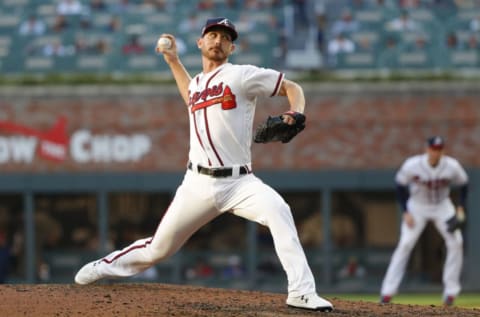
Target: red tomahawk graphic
{"type": "Point", "coordinates": [53, 143]}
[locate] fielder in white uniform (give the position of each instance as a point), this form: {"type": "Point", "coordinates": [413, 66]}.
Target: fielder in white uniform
{"type": "Point", "coordinates": [423, 187]}
{"type": "Point", "coordinates": [221, 104]}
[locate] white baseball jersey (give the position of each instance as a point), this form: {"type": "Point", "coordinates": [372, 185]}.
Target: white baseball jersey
{"type": "Point", "coordinates": [221, 108]}
{"type": "Point", "coordinates": [430, 185]}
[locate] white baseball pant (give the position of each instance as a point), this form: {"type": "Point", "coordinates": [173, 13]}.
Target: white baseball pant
{"type": "Point", "coordinates": [408, 238]}
{"type": "Point", "coordinates": [198, 200]}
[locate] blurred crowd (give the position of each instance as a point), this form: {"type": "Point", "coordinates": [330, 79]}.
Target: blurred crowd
{"type": "Point", "coordinates": [331, 28]}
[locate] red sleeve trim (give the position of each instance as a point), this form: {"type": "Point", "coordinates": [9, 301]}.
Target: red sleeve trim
{"type": "Point", "coordinates": [277, 86]}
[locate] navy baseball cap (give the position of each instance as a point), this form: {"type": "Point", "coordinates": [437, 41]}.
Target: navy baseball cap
{"type": "Point", "coordinates": [222, 23]}
{"type": "Point", "coordinates": [436, 142]}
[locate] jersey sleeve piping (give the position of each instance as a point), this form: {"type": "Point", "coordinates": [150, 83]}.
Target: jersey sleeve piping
{"type": "Point", "coordinates": [277, 86]}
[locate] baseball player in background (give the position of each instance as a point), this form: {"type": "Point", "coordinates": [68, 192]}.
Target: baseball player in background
{"type": "Point", "coordinates": [423, 191]}
{"type": "Point", "coordinates": [221, 102]}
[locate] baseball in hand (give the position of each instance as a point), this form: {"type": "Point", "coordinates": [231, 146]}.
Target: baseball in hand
{"type": "Point", "coordinates": [164, 43]}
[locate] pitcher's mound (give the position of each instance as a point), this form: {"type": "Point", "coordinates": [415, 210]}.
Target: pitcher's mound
{"type": "Point", "coordinates": [179, 300]}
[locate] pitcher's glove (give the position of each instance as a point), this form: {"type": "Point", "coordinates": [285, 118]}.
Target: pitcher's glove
{"type": "Point", "coordinates": [274, 129]}
{"type": "Point", "coordinates": [457, 221]}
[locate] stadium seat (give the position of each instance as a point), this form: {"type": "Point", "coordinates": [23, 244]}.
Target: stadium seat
{"type": "Point", "coordinates": [356, 60]}
{"type": "Point", "coordinates": [250, 58]}
{"type": "Point", "coordinates": [39, 63]}
{"type": "Point", "coordinates": [464, 58]}
{"type": "Point", "coordinates": [413, 59]}
{"type": "Point", "coordinates": [9, 23]}
{"type": "Point", "coordinates": [148, 22]}
{"type": "Point", "coordinates": [192, 61]}
{"type": "Point", "coordinates": [91, 63]}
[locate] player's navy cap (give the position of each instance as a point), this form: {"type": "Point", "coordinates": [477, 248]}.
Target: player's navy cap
{"type": "Point", "coordinates": [223, 23]}
{"type": "Point", "coordinates": [436, 142]}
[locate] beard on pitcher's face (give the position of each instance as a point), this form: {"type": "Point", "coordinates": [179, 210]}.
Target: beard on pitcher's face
{"type": "Point", "coordinates": [216, 46]}
{"type": "Point", "coordinates": [215, 53]}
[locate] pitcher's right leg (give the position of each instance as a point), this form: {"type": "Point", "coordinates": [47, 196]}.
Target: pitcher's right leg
{"type": "Point", "coordinates": [258, 202]}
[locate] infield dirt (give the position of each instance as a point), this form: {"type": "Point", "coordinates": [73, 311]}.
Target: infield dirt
{"type": "Point", "coordinates": [174, 300]}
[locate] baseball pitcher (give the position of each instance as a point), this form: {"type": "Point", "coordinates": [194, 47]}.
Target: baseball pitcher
{"type": "Point", "coordinates": [221, 102]}
{"type": "Point", "coordinates": [423, 191]}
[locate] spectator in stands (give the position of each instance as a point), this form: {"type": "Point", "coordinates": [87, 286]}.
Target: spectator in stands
{"type": "Point", "coordinates": [56, 48]}
{"type": "Point", "coordinates": [352, 269]}
{"type": "Point", "coordinates": [231, 4]}
{"type": "Point", "coordinates": [251, 5]}
{"type": "Point", "coordinates": [201, 269]}
{"type": "Point", "coordinates": [419, 44]}
{"type": "Point", "coordinates": [472, 42]}
{"type": "Point", "coordinates": [388, 57]}
{"type": "Point", "coordinates": [403, 23]}
{"type": "Point", "coordinates": [475, 24]}
{"type": "Point", "coordinates": [133, 46]}
{"type": "Point", "coordinates": [321, 24]}
{"type": "Point", "coordinates": [234, 269]}
{"type": "Point", "coordinates": [156, 5]}
{"type": "Point", "coordinates": [114, 25]}
{"type": "Point", "coordinates": [98, 5]}
{"type": "Point", "coordinates": [301, 12]}
{"type": "Point", "coordinates": [205, 5]}
{"type": "Point", "coordinates": [452, 42]}
{"type": "Point", "coordinates": [101, 47]}
{"type": "Point", "coordinates": [97, 47]}
{"type": "Point", "coordinates": [410, 3]}
{"type": "Point", "coordinates": [346, 24]}
{"type": "Point", "coordinates": [388, 8]}
{"type": "Point", "coordinates": [69, 7]}
{"type": "Point", "coordinates": [363, 44]}
{"type": "Point", "coordinates": [60, 24]}
{"type": "Point", "coordinates": [340, 45]}
{"type": "Point", "coordinates": [81, 45]}
{"type": "Point", "coordinates": [32, 26]}
{"type": "Point", "coordinates": [85, 23]}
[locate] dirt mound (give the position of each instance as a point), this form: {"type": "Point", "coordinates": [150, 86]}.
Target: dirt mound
{"type": "Point", "coordinates": [174, 300]}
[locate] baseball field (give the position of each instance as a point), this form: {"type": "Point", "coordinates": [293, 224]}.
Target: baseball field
{"type": "Point", "coordinates": [173, 300]}
{"type": "Point", "coordinates": [465, 300]}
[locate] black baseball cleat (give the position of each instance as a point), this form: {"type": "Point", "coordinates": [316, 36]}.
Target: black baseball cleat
{"type": "Point", "coordinates": [310, 302]}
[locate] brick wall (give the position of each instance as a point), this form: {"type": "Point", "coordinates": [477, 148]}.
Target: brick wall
{"type": "Point", "coordinates": [349, 126]}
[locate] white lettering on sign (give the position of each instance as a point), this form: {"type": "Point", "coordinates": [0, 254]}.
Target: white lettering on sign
{"type": "Point", "coordinates": [17, 149]}
{"type": "Point", "coordinates": [86, 147]}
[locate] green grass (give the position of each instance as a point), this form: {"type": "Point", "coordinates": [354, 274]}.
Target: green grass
{"type": "Point", "coordinates": [465, 300]}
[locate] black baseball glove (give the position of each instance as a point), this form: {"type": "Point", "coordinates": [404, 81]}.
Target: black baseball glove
{"type": "Point", "coordinates": [454, 223]}
{"type": "Point", "coordinates": [274, 129]}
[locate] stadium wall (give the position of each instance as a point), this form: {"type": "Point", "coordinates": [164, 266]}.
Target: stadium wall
{"type": "Point", "coordinates": [145, 128]}
{"type": "Point", "coordinates": [81, 138]}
